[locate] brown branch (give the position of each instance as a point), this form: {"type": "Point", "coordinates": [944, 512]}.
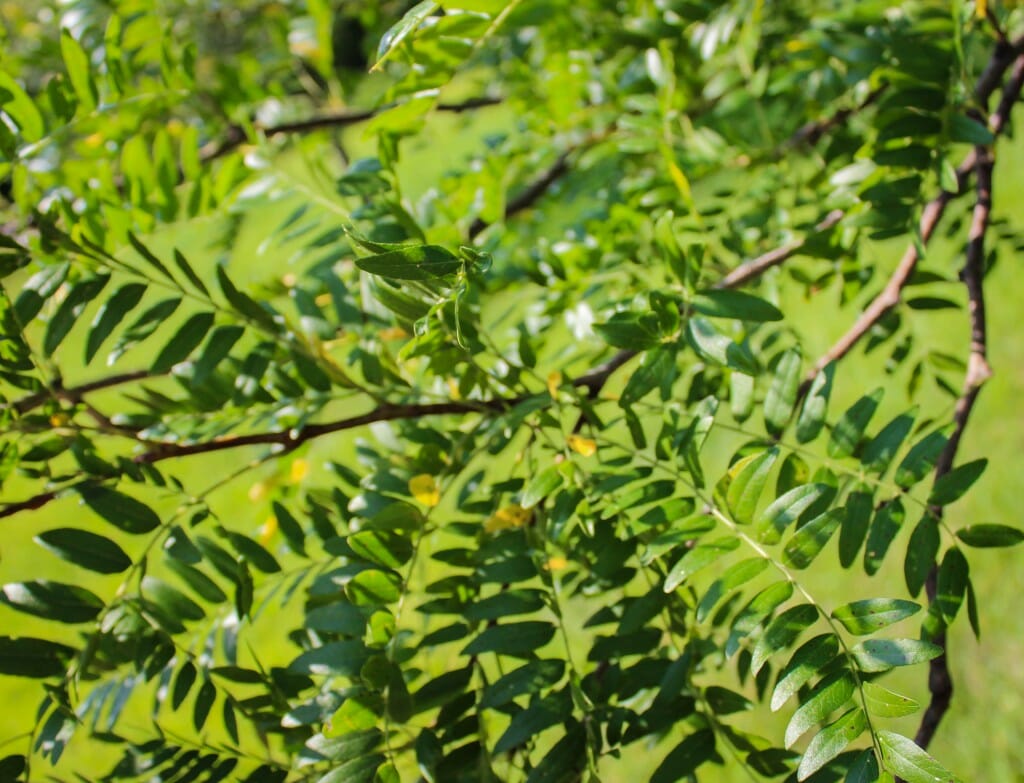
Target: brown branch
{"type": "Point", "coordinates": [812, 132]}
{"type": "Point", "coordinates": [236, 136]}
{"type": "Point", "coordinates": [757, 266]}
{"type": "Point", "coordinates": [529, 195]}
{"type": "Point", "coordinates": [75, 394]}
{"type": "Point", "coordinates": [930, 217]}
{"type": "Point", "coordinates": [32, 503]}
{"type": "Point", "coordinates": [940, 683]}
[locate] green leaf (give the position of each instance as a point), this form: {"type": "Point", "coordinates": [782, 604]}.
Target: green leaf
{"type": "Point", "coordinates": [785, 510]}
{"type": "Point", "coordinates": [781, 633]}
{"type": "Point", "coordinates": [12, 767]}
{"type": "Point", "coordinates": [864, 768]}
{"type": "Point", "coordinates": [52, 600]}
{"type": "Point", "coordinates": [951, 486]}
{"type": "Point", "coordinates": [741, 395]}
{"type": "Point", "coordinates": [149, 257]}
{"type": "Point", "coordinates": [566, 759]}
{"type": "Point", "coordinates": [541, 486]}
{"type": "Point", "coordinates": [920, 459]}
{"type": "Point", "coordinates": [850, 428]}
{"type": "Point", "coordinates": [714, 347]}
{"type": "Point", "coordinates": [903, 757]}
{"type": "Point", "coordinates": [415, 262]}
{"type": "Point", "coordinates": [686, 757]}
{"type": "Point", "coordinates": [880, 655]}
{"type": "Point", "coordinates": [197, 581]}
{"type": "Point", "coordinates": [808, 541]}
{"type": "Point", "coordinates": [807, 661]}
{"type": "Point", "coordinates": [217, 348]}
{"type": "Point", "coordinates": [254, 553]}
{"type": "Point", "coordinates": [951, 584]}
{"type": "Point", "coordinates": [747, 479]}
{"type": "Point", "coordinates": [886, 524]}
{"type": "Point", "coordinates": [345, 747]}
{"type": "Point", "coordinates": [143, 327]}
{"type": "Point", "coordinates": [398, 32]}
{"type": "Point", "coordinates": [986, 536]}
{"type": "Point", "coordinates": [185, 340]}
{"type": "Point", "coordinates": [190, 273]}
{"type": "Point", "coordinates": [374, 588]}
{"type": "Point", "coordinates": [873, 614]}
{"type": "Point", "coordinates": [88, 550]}
{"type": "Point", "coordinates": [507, 603]}
{"type": "Point", "coordinates": [123, 512]}
{"type": "Point", "coordinates": [831, 741]}
{"type": "Point", "coordinates": [540, 715]}
{"type": "Point", "coordinates": [724, 303]}
{"type": "Point", "coordinates": [969, 131]}
{"type": "Point", "coordinates": [358, 770]}
{"type": "Point", "coordinates": [781, 396]}
{"type": "Point", "coordinates": [657, 369]}
{"type": "Point", "coordinates": [110, 315]}
{"type": "Point", "coordinates": [629, 330]}
{"type": "Point", "coordinates": [70, 309]}
{"type": "Point", "coordinates": [734, 577]}
{"type": "Point", "coordinates": [881, 450]}
{"type": "Point", "coordinates": [815, 405]}
{"type": "Point", "coordinates": [293, 532]}
{"type": "Point", "coordinates": [26, 656]}
{"type": "Point", "coordinates": [173, 601]}
{"type": "Point", "coordinates": [345, 658]}
{"type": "Point", "coordinates": [922, 548]}
{"type": "Point", "coordinates": [37, 289]}
{"type": "Point", "coordinates": [885, 703]}
{"type": "Point", "coordinates": [77, 62]}
{"type": "Point", "coordinates": [829, 695]}
{"type": "Point", "coordinates": [530, 678]}
{"type": "Point", "coordinates": [701, 556]}
{"type": "Point", "coordinates": [244, 304]}
{"type": "Point", "coordinates": [859, 508]}
{"type": "Point", "coordinates": [512, 638]}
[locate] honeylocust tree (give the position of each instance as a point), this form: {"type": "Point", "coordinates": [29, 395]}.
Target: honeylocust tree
{"type": "Point", "coordinates": [488, 390]}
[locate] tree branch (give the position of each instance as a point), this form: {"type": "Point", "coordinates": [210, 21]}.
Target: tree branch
{"type": "Point", "coordinates": [531, 194]}
{"type": "Point", "coordinates": [940, 683]}
{"type": "Point", "coordinates": [757, 266]}
{"type": "Point", "coordinates": [930, 217]}
{"type": "Point", "coordinates": [236, 136]}
{"type": "Point", "coordinates": [75, 394]}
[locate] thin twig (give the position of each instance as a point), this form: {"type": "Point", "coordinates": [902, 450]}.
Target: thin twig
{"type": "Point", "coordinates": [235, 135]}
{"type": "Point", "coordinates": [75, 394]}
{"type": "Point", "coordinates": [940, 683]}
{"type": "Point", "coordinates": [757, 266]}
{"type": "Point", "coordinates": [813, 131]}
{"type": "Point", "coordinates": [530, 195]}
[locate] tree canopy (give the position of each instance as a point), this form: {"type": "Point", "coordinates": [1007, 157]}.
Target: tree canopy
{"type": "Point", "coordinates": [493, 390]}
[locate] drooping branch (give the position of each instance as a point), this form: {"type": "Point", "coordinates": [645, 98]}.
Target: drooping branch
{"type": "Point", "coordinates": [940, 683]}
{"type": "Point", "coordinates": [236, 135]}
{"type": "Point", "coordinates": [930, 217]}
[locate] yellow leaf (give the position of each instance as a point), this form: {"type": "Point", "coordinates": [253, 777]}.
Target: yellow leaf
{"type": "Point", "coordinates": [583, 446]}
{"type": "Point", "coordinates": [299, 470]}
{"type": "Point", "coordinates": [424, 488]}
{"type": "Point", "coordinates": [257, 491]}
{"type": "Point", "coordinates": [504, 518]}
{"type": "Point", "coordinates": [981, 8]}
{"type": "Point", "coordinates": [554, 381]}
{"type": "Point", "coordinates": [268, 530]}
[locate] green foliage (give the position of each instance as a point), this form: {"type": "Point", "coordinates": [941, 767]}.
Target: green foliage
{"type": "Point", "coordinates": [550, 542]}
